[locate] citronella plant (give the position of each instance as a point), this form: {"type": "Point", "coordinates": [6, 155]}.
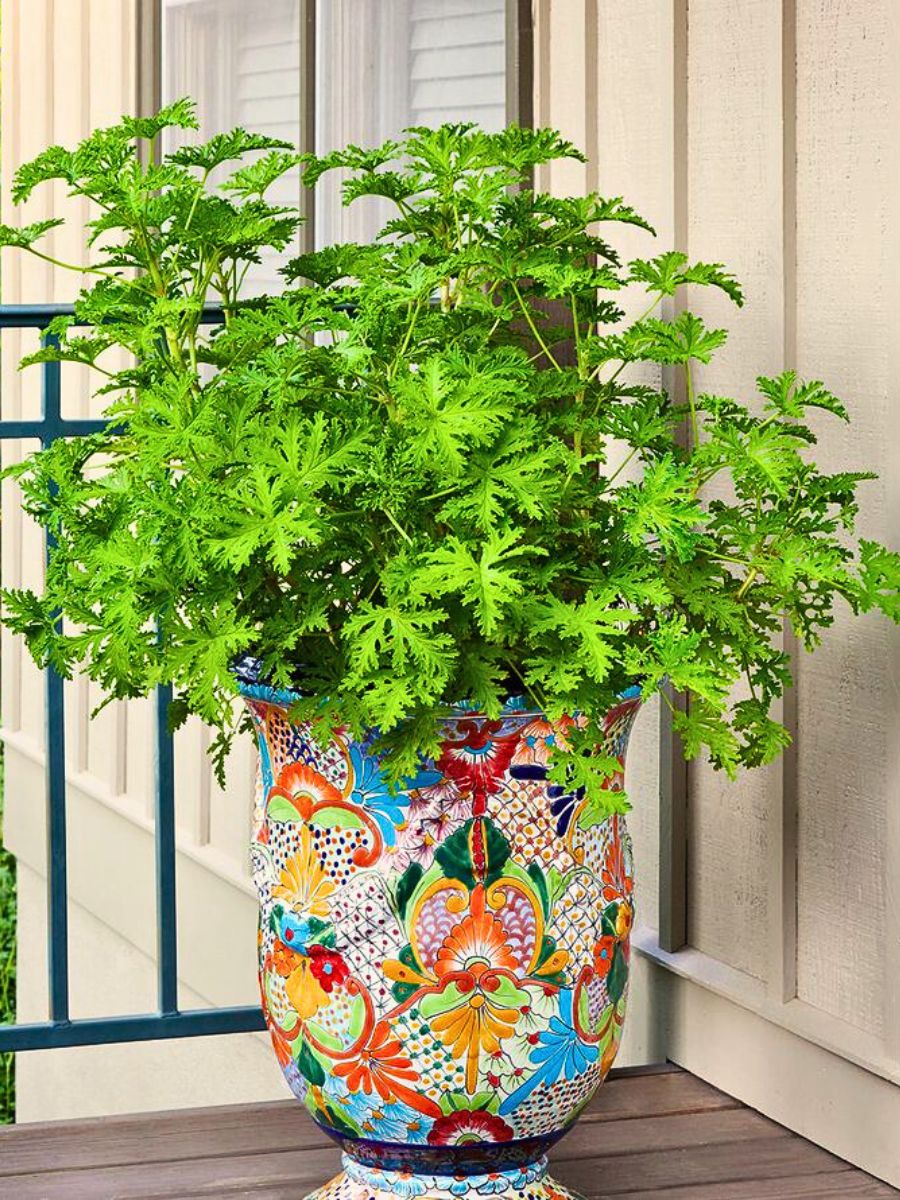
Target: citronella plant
{"type": "Point", "coordinates": [401, 482]}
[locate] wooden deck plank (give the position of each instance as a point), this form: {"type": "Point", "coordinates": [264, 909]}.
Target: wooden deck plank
{"type": "Point", "coordinates": [649, 1133]}
{"type": "Point", "coordinates": [283, 1125]}
{"type": "Point", "coordinates": [830, 1186]}
{"type": "Point", "coordinates": [664, 1170]}
{"type": "Point", "coordinates": [228, 1167]}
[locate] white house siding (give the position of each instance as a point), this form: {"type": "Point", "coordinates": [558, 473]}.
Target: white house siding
{"type": "Point", "coordinates": [763, 133]}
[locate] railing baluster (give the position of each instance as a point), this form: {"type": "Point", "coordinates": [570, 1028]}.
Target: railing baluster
{"type": "Point", "coordinates": [57, 839]}
{"type": "Point", "coordinates": [57, 865]}
{"type": "Point", "coordinates": [166, 911]}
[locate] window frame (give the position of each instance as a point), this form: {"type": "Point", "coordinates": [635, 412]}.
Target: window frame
{"type": "Point", "coordinates": [519, 39]}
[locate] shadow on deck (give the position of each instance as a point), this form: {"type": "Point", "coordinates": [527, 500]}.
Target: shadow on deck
{"type": "Point", "coordinates": [652, 1132]}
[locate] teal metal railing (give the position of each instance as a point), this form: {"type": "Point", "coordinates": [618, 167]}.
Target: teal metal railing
{"type": "Point", "coordinates": [168, 1021]}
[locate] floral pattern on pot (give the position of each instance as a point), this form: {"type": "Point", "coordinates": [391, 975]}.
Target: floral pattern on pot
{"type": "Point", "coordinates": [357, 1182]}
{"type": "Point", "coordinates": [446, 965]}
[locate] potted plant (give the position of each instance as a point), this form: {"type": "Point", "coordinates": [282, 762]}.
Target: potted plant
{"type": "Point", "coordinates": [420, 512]}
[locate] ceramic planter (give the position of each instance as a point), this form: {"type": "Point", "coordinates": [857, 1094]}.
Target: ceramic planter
{"type": "Point", "coordinates": [443, 970]}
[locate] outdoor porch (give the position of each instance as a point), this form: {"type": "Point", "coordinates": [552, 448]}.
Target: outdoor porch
{"type": "Point", "coordinates": [652, 1131]}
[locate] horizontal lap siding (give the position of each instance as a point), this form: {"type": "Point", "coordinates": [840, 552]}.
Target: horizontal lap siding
{"type": "Point", "coordinates": [457, 64]}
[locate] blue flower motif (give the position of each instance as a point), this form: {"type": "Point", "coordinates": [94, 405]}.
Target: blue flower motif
{"type": "Point", "coordinates": [377, 1119]}
{"type": "Point", "coordinates": [294, 931]}
{"type": "Point", "coordinates": [492, 1185]}
{"type": "Point", "coordinates": [371, 792]}
{"type": "Point", "coordinates": [563, 805]}
{"type": "Point", "coordinates": [559, 1054]}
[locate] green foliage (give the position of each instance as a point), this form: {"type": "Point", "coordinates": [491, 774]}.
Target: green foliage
{"type": "Point", "coordinates": [401, 482]}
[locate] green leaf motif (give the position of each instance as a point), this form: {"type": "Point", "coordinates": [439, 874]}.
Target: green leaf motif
{"type": "Point", "coordinates": [406, 885]}
{"type": "Point", "coordinates": [308, 1064]}
{"type": "Point", "coordinates": [455, 854]}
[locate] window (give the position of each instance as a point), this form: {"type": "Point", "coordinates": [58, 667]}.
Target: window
{"type": "Point", "coordinates": [377, 66]}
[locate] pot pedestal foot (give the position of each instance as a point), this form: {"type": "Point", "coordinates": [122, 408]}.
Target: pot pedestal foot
{"type": "Point", "coordinates": [357, 1182]}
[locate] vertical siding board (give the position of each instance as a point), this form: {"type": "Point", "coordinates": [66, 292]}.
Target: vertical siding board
{"type": "Point", "coordinates": [846, 333]}
{"type": "Point", "coordinates": [33, 90]}
{"type": "Point", "coordinates": [674, 772]}
{"type": "Point", "coordinates": [782, 973]}
{"type": "Point", "coordinates": [892, 475]}
{"type": "Point", "coordinates": [564, 24]}
{"type": "Point", "coordinates": [735, 159]}
{"type": "Point", "coordinates": [633, 87]}
{"type": "Point", "coordinates": [10, 274]}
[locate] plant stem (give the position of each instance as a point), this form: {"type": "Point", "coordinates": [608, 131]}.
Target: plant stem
{"type": "Point", "coordinates": [393, 520]}
{"type": "Point", "coordinates": [70, 266]}
{"type": "Point", "coordinates": [689, 381]}
{"type": "Point", "coordinates": [748, 583]}
{"type": "Point", "coordinates": [622, 465]}
{"type": "Point", "coordinates": [526, 313]}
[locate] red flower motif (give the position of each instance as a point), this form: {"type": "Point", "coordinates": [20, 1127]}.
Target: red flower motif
{"type": "Point", "coordinates": [459, 1128]}
{"type": "Point", "coordinates": [477, 760]}
{"type": "Point", "coordinates": [604, 949]}
{"type": "Point", "coordinates": [617, 883]}
{"type": "Point", "coordinates": [327, 967]}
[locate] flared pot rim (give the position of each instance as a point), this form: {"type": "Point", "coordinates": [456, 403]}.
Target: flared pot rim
{"type": "Point", "coordinates": [247, 671]}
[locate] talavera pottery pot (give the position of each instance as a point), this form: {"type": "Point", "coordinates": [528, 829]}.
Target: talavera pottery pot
{"type": "Point", "coordinates": [443, 969]}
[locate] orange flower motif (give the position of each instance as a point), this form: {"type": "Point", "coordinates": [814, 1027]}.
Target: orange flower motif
{"type": "Point", "coordinates": [304, 788]}
{"type": "Point", "coordinates": [477, 944]}
{"type": "Point", "coordinates": [604, 949]}
{"type": "Point", "coordinates": [383, 1067]}
{"type": "Point", "coordinates": [284, 959]}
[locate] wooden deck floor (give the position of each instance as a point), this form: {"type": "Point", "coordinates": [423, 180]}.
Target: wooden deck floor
{"type": "Point", "coordinates": [651, 1133]}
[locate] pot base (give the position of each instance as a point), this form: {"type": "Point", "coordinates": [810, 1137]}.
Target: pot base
{"type": "Point", "coordinates": [357, 1182]}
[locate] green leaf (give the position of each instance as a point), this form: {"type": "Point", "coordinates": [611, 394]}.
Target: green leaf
{"type": "Point", "coordinates": [788, 397]}
{"type": "Point", "coordinates": [406, 885]}
{"type": "Point", "coordinates": [699, 726]}
{"type": "Point", "coordinates": [25, 236]}
{"type": "Point", "coordinates": [879, 574]}
{"type": "Point", "coordinates": [664, 505]}
{"type": "Point", "coordinates": [617, 979]}
{"type": "Point", "coordinates": [488, 581]}
{"type": "Point", "coordinates": [667, 272]}
{"type": "Point", "coordinates": [224, 147]}
{"type": "Point", "coordinates": [455, 855]}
